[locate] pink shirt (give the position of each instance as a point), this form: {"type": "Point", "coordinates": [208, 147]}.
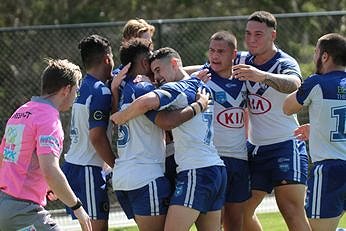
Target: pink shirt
{"type": "Point", "coordinates": [34, 129]}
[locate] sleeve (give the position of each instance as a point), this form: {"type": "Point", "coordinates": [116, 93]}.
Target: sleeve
{"type": "Point", "coordinates": [167, 95]}
{"type": "Point", "coordinates": [100, 107]}
{"type": "Point", "coordinates": [289, 67]}
{"type": "Point", "coordinates": [306, 91]}
{"type": "Point", "coordinates": [50, 136]}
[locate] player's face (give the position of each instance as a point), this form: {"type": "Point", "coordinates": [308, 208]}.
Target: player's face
{"type": "Point", "coordinates": [147, 35]}
{"type": "Point", "coordinates": [163, 71]}
{"type": "Point", "coordinates": [69, 98]}
{"type": "Point", "coordinates": [259, 38]}
{"type": "Point", "coordinates": [220, 57]}
{"type": "Point", "coordinates": [109, 66]}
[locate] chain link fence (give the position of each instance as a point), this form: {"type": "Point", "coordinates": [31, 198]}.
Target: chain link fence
{"type": "Point", "coordinates": [24, 49]}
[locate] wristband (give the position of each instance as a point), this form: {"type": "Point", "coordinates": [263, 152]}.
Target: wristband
{"type": "Point", "coordinates": [200, 105]}
{"type": "Point", "coordinates": [193, 109]}
{"type": "Point", "coordinates": [77, 205]}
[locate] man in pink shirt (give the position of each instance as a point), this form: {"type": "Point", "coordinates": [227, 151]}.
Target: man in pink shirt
{"type": "Point", "coordinates": [30, 151]}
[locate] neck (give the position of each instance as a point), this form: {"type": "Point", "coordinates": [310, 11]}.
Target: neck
{"type": "Point", "coordinates": [329, 67]}
{"type": "Point", "coordinates": [227, 73]}
{"type": "Point", "coordinates": [97, 74]}
{"type": "Point", "coordinates": [266, 56]}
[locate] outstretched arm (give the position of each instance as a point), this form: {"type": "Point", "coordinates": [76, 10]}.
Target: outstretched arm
{"type": "Point", "coordinates": [141, 105]}
{"type": "Point", "coordinates": [291, 104]}
{"type": "Point", "coordinates": [168, 120]}
{"type": "Point", "coordinates": [280, 82]}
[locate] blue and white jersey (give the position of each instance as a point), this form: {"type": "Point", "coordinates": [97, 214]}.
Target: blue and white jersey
{"type": "Point", "coordinates": [193, 140]}
{"type": "Point", "coordinates": [325, 95]}
{"type": "Point", "coordinates": [91, 109]}
{"type": "Point", "coordinates": [268, 124]}
{"type": "Point", "coordinates": [229, 104]}
{"type": "Point", "coordinates": [141, 145]}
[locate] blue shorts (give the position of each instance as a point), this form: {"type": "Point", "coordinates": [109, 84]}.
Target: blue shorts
{"type": "Point", "coordinates": [171, 170]}
{"type": "Point", "coordinates": [238, 180]}
{"type": "Point", "coordinates": [326, 195]}
{"type": "Point", "coordinates": [202, 189]}
{"type": "Point", "coordinates": [150, 200]}
{"type": "Point", "coordinates": [277, 164]}
{"type": "Point", "coordinates": [88, 183]}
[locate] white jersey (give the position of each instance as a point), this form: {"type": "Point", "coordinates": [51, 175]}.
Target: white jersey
{"type": "Point", "coordinates": [91, 108]}
{"type": "Point", "coordinates": [267, 122]}
{"type": "Point", "coordinates": [193, 140]}
{"type": "Point", "coordinates": [229, 104]}
{"type": "Point", "coordinates": [141, 145]}
{"type": "Point", "coordinates": [325, 95]}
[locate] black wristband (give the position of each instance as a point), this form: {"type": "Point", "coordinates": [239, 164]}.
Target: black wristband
{"type": "Point", "coordinates": [77, 205]}
{"type": "Point", "coordinates": [200, 105]}
{"type": "Point", "coordinates": [193, 109]}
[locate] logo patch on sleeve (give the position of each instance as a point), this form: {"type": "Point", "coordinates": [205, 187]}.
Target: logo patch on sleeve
{"type": "Point", "coordinates": [49, 141]}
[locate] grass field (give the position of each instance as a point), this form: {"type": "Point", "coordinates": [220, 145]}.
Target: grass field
{"type": "Point", "coordinates": [269, 221]}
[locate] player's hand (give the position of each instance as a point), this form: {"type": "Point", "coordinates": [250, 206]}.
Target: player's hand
{"type": "Point", "coordinates": [51, 196]}
{"type": "Point", "coordinates": [302, 132]}
{"type": "Point", "coordinates": [203, 96]}
{"type": "Point", "coordinates": [142, 78]}
{"type": "Point", "coordinates": [117, 79]}
{"type": "Point", "coordinates": [203, 75]}
{"type": "Point", "coordinates": [116, 118]}
{"type": "Point", "coordinates": [83, 218]}
{"type": "Point", "coordinates": [245, 72]}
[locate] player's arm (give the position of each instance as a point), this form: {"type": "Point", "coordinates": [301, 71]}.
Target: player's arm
{"type": "Point", "coordinates": [2, 146]}
{"type": "Point", "coordinates": [281, 82]}
{"type": "Point", "coordinates": [192, 69]}
{"type": "Point", "coordinates": [291, 105]}
{"type": "Point", "coordinates": [49, 165]}
{"type": "Point", "coordinates": [141, 105]}
{"type": "Point", "coordinates": [168, 120]}
{"type": "Point", "coordinates": [115, 86]}
{"type": "Point", "coordinates": [100, 141]}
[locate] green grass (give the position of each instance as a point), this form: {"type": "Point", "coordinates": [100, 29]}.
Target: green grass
{"type": "Point", "coordinates": [269, 221]}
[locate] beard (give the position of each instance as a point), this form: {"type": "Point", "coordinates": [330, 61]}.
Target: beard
{"type": "Point", "coordinates": [319, 66]}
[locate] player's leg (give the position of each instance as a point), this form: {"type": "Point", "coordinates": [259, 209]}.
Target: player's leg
{"type": "Point", "coordinates": [251, 222]}
{"type": "Point", "coordinates": [237, 192]}
{"type": "Point", "coordinates": [180, 218]}
{"type": "Point", "coordinates": [324, 224]}
{"type": "Point", "coordinates": [209, 221]}
{"type": "Point", "coordinates": [290, 176]}
{"type": "Point", "coordinates": [90, 186]}
{"type": "Point", "coordinates": [290, 200]}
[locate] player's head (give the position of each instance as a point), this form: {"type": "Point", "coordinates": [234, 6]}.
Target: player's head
{"type": "Point", "coordinates": [138, 28]}
{"type": "Point", "coordinates": [96, 51]}
{"type": "Point", "coordinates": [330, 46]}
{"type": "Point", "coordinates": [61, 78]}
{"type": "Point", "coordinates": [136, 51]}
{"type": "Point", "coordinates": [166, 64]}
{"type": "Point", "coordinates": [222, 50]}
{"type": "Point", "coordinates": [260, 32]}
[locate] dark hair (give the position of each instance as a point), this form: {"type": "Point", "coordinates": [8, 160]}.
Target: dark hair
{"type": "Point", "coordinates": [165, 52]}
{"type": "Point", "coordinates": [225, 36]}
{"type": "Point", "coordinates": [263, 17]}
{"type": "Point", "coordinates": [92, 49]}
{"type": "Point", "coordinates": [58, 74]}
{"type": "Point", "coordinates": [132, 49]}
{"type": "Point", "coordinates": [335, 45]}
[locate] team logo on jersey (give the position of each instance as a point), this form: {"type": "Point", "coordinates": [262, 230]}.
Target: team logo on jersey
{"type": "Point", "coordinates": [231, 118]}
{"type": "Point", "coordinates": [220, 97]}
{"type": "Point", "coordinates": [98, 115]}
{"type": "Point", "coordinates": [258, 104]}
{"type": "Point", "coordinates": [342, 86]}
